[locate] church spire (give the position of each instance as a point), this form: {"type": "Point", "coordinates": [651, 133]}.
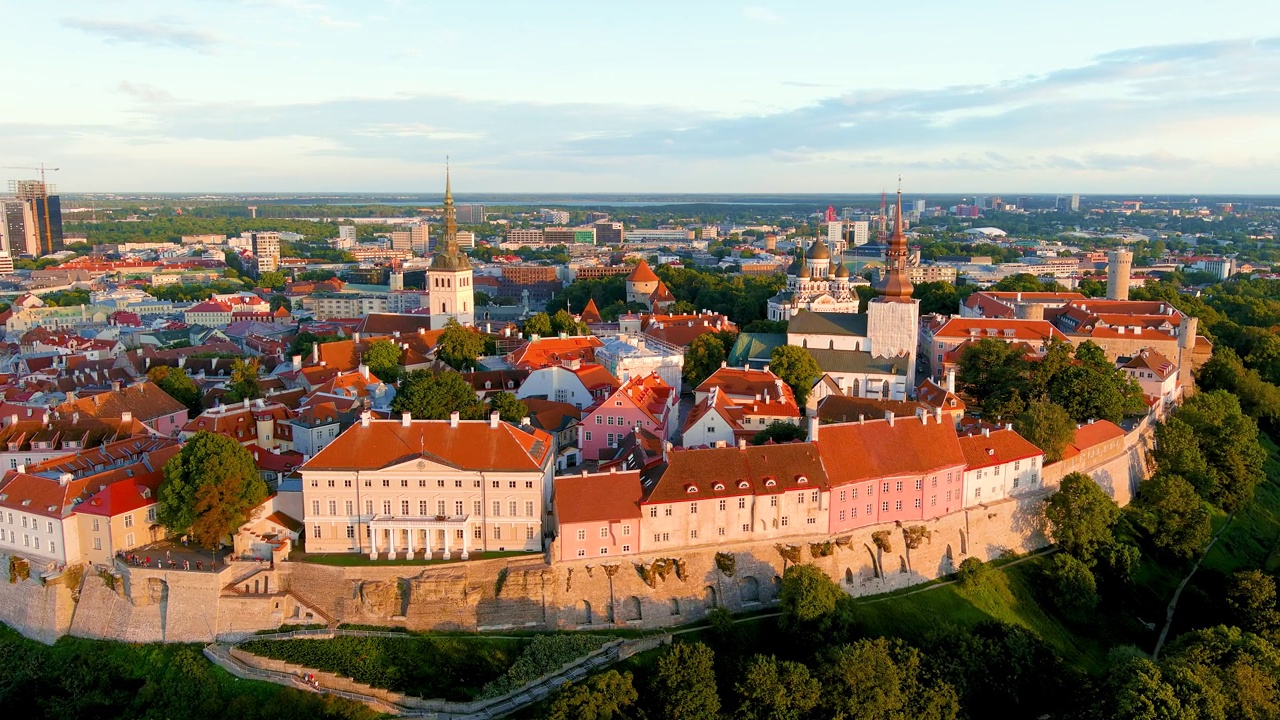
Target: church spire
{"type": "Point", "coordinates": [448, 255]}
{"type": "Point", "coordinates": [897, 284]}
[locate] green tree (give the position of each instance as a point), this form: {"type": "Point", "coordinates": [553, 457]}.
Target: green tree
{"type": "Point", "coordinates": [1174, 514]}
{"type": "Point", "coordinates": [538, 324]}
{"type": "Point", "coordinates": [797, 368]}
{"type": "Point", "coordinates": [563, 322]}
{"type": "Point", "coordinates": [1072, 586]}
{"type": "Point", "coordinates": [383, 359]}
{"type": "Point", "coordinates": [433, 396]}
{"type": "Point", "coordinates": [607, 696]}
{"type": "Point", "coordinates": [1211, 427]}
{"type": "Point", "coordinates": [972, 573]}
{"type": "Point", "coordinates": [807, 595]}
{"type": "Point", "coordinates": [459, 346]}
{"type": "Point", "coordinates": [882, 679]}
{"type": "Point", "coordinates": [1081, 517]}
{"type": "Point", "coordinates": [1047, 426]}
{"type": "Point", "coordinates": [244, 383]}
{"type": "Point", "coordinates": [779, 432]}
{"type": "Point", "coordinates": [1140, 692]}
{"type": "Point", "coordinates": [685, 683]}
{"type": "Point", "coordinates": [706, 354]}
{"type": "Point", "coordinates": [280, 301]}
{"type": "Point", "coordinates": [303, 342]}
{"type": "Point", "coordinates": [937, 297]}
{"type": "Point", "coordinates": [508, 407]}
{"type": "Point", "coordinates": [1251, 597]}
{"type": "Point", "coordinates": [994, 375]}
{"type": "Point", "coordinates": [272, 280]}
{"type": "Point", "coordinates": [776, 690]}
{"type": "Point", "coordinates": [209, 488]}
{"type": "Point", "coordinates": [177, 383]}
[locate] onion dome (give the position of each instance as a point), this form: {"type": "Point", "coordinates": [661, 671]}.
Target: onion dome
{"type": "Point", "coordinates": [842, 270]}
{"type": "Point", "coordinates": [804, 271]}
{"type": "Point", "coordinates": [818, 251]}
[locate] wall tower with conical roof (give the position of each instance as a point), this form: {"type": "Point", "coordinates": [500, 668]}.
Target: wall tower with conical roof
{"type": "Point", "coordinates": [449, 279]}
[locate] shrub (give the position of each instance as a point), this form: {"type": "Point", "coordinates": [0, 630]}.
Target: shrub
{"type": "Point", "coordinates": [972, 573]}
{"type": "Point", "coordinates": [547, 653]}
{"type": "Point", "coordinates": [727, 562]}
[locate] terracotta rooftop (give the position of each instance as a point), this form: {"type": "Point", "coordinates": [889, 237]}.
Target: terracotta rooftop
{"type": "Point", "coordinates": [642, 273]}
{"type": "Point", "coordinates": [998, 448]}
{"type": "Point", "coordinates": [1152, 361]}
{"type": "Point", "coordinates": [1091, 435]}
{"type": "Point", "coordinates": [598, 498]}
{"type": "Point", "coordinates": [701, 474]}
{"type": "Point", "coordinates": [749, 389]}
{"type": "Point", "coordinates": [145, 400]}
{"type": "Point", "coordinates": [545, 352]}
{"type": "Point", "coordinates": [844, 408]}
{"type": "Point", "coordinates": [1000, 329]}
{"type": "Point", "coordinates": [472, 445]}
{"type": "Point", "coordinates": [856, 452]}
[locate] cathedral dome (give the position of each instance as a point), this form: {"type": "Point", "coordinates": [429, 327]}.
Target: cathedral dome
{"type": "Point", "coordinates": [804, 271]}
{"type": "Point", "coordinates": [842, 271]}
{"type": "Point", "coordinates": [818, 251]}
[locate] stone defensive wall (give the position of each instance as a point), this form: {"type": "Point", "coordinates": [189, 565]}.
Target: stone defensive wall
{"type": "Point", "coordinates": [644, 591]}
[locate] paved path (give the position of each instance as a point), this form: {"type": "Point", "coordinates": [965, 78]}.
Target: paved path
{"type": "Point", "coordinates": [1173, 604]}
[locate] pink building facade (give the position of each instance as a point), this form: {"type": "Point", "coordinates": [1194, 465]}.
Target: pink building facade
{"type": "Point", "coordinates": [645, 402]}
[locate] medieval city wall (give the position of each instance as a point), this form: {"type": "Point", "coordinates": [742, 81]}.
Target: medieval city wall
{"type": "Point", "coordinates": [652, 590]}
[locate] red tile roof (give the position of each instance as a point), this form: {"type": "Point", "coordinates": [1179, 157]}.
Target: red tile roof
{"type": "Point", "coordinates": [642, 273]}
{"type": "Point", "coordinates": [856, 452]}
{"type": "Point", "coordinates": [596, 498]}
{"type": "Point", "coordinates": [701, 474]}
{"type": "Point", "coordinates": [472, 445]}
{"type": "Point", "coordinates": [145, 400]}
{"type": "Point", "coordinates": [546, 352]}
{"type": "Point", "coordinates": [591, 313]}
{"type": "Point", "coordinates": [1000, 329]}
{"type": "Point", "coordinates": [1153, 361]}
{"type": "Point", "coordinates": [1092, 435]}
{"type": "Point", "coordinates": [998, 448]}
{"type": "Point", "coordinates": [748, 388]}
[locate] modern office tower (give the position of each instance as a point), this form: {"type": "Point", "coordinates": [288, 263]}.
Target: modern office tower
{"type": "Point", "coordinates": [401, 240]}
{"type": "Point", "coordinates": [835, 237]}
{"type": "Point", "coordinates": [859, 232]}
{"type": "Point", "coordinates": [1075, 203]}
{"type": "Point", "coordinates": [265, 246]}
{"type": "Point", "coordinates": [531, 236]}
{"type": "Point", "coordinates": [609, 233]}
{"type": "Point", "coordinates": [554, 217]}
{"type": "Point", "coordinates": [471, 214]}
{"type": "Point", "coordinates": [466, 239]}
{"type": "Point", "coordinates": [346, 232]}
{"type": "Point", "coordinates": [36, 219]}
{"type": "Point", "coordinates": [420, 238]}
{"type": "Point", "coordinates": [569, 236]}
{"type": "Point", "coordinates": [918, 205]}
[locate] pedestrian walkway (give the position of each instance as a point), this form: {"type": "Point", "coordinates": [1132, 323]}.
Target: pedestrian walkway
{"type": "Point", "coordinates": [173, 555]}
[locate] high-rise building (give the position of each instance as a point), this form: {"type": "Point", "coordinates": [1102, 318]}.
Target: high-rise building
{"type": "Point", "coordinates": [466, 239]}
{"type": "Point", "coordinates": [6, 263]}
{"type": "Point", "coordinates": [420, 238]}
{"type": "Point", "coordinates": [33, 224]}
{"type": "Point", "coordinates": [449, 278]}
{"type": "Point", "coordinates": [531, 236]}
{"type": "Point", "coordinates": [835, 237]}
{"type": "Point", "coordinates": [859, 232]}
{"type": "Point", "coordinates": [569, 236]}
{"type": "Point", "coordinates": [347, 232]}
{"type": "Point", "coordinates": [918, 205]}
{"type": "Point", "coordinates": [265, 246]}
{"type": "Point", "coordinates": [609, 233]}
{"type": "Point", "coordinates": [471, 214]}
{"type": "Point", "coordinates": [1075, 203]}
{"type": "Point", "coordinates": [554, 217]}
{"type": "Point", "coordinates": [400, 240]}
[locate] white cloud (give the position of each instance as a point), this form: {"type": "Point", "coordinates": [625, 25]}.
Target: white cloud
{"type": "Point", "coordinates": [761, 14]}
{"type": "Point", "coordinates": [155, 33]}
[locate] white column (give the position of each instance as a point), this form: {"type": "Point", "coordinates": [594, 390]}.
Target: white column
{"type": "Point", "coordinates": [373, 542]}
{"type": "Point", "coordinates": [447, 530]}
{"type": "Point", "coordinates": [409, 534]}
{"type": "Point", "coordinates": [391, 543]}
{"type": "Point", "coordinates": [466, 539]}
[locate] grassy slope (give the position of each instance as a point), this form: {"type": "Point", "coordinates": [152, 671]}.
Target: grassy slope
{"type": "Point", "coordinates": [1253, 540]}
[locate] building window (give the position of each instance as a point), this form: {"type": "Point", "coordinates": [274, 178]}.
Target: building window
{"type": "Point", "coordinates": [693, 508]}
{"type": "Point", "coordinates": [884, 506]}
{"type": "Point", "coordinates": [514, 508]}
{"type": "Point", "coordinates": [582, 534]}
{"type": "Point", "coordinates": [315, 531]}
{"type": "Point", "coordinates": [918, 503]}
{"type": "Point", "coordinates": [457, 508]}
{"type": "Point", "coordinates": [842, 515]}
{"type": "Point", "coordinates": [497, 508]}
{"type": "Point", "coordinates": [497, 533]}
{"type": "Point", "coordinates": [626, 548]}
{"type": "Point", "coordinates": [814, 496]}
{"type": "Point", "coordinates": [368, 507]}
{"type": "Point", "coordinates": [609, 421]}
{"type": "Point", "coordinates": [588, 436]}
{"type": "Point", "coordinates": [657, 537]}
{"type": "Point", "coordinates": [495, 484]}
{"type": "Point", "coordinates": [97, 543]}
{"type": "Point", "coordinates": [350, 507]}
{"type": "Point", "coordinates": [843, 497]}
{"type": "Point", "coordinates": [128, 519]}
{"type": "Point", "coordinates": [667, 511]}
{"type": "Point", "coordinates": [599, 419]}
{"type": "Point", "coordinates": [582, 553]}
{"type": "Point", "coordinates": [977, 492]}
{"type": "Point", "coordinates": [885, 487]}
{"type": "Point", "coordinates": [386, 507]}
{"type": "Point", "coordinates": [897, 487]}
{"type": "Point", "coordinates": [333, 507]}
{"type": "Point", "coordinates": [897, 504]}
{"type": "Point", "coordinates": [653, 512]}
{"type": "Point", "coordinates": [746, 527]}
{"type": "Point", "coordinates": [475, 507]}
{"type": "Point", "coordinates": [800, 497]}
{"type": "Point", "coordinates": [853, 493]}
{"type": "Point", "coordinates": [476, 533]}
{"type": "Point", "coordinates": [742, 503]}
{"type": "Point", "coordinates": [351, 532]}
{"type": "Point", "coordinates": [95, 526]}
{"type": "Point", "coordinates": [784, 520]}
{"type": "Point", "coordinates": [604, 532]}
{"type": "Point", "coordinates": [722, 504]}
{"type": "Point", "coordinates": [812, 521]}
{"type": "Point", "coordinates": [386, 483]}
{"type": "Point", "coordinates": [920, 484]}
{"type": "Point", "coordinates": [773, 501]}
{"type": "Point", "coordinates": [720, 531]}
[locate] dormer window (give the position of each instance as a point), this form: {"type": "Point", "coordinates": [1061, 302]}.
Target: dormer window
{"type": "Point", "coordinates": [801, 480]}
{"type": "Point", "coordinates": [743, 484]}
{"type": "Point", "coordinates": [719, 486]}
{"type": "Point", "coordinates": [691, 488]}
{"type": "Point", "coordinates": [770, 482]}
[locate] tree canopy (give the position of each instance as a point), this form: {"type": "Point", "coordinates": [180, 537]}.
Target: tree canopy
{"type": "Point", "coordinates": [706, 354]}
{"type": "Point", "coordinates": [244, 383]}
{"type": "Point", "coordinates": [685, 682]}
{"type": "Point", "coordinates": [459, 346]}
{"type": "Point", "coordinates": [383, 359]}
{"type": "Point", "coordinates": [1211, 443]}
{"type": "Point", "coordinates": [1081, 517]}
{"type": "Point", "coordinates": [1047, 426]}
{"type": "Point", "coordinates": [209, 488]}
{"type": "Point", "coordinates": [797, 368]}
{"type": "Point", "coordinates": [508, 407]}
{"type": "Point", "coordinates": [434, 396]}
{"type": "Point", "coordinates": [779, 432]}
{"type": "Point", "coordinates": [177, 383]}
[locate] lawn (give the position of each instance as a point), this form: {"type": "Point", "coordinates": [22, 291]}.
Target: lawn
{"type": "Point", "coordinates": [1007, 596]}
{"type": "Point", "coordinates": [78, 678]}
{"type": "Point", "coordinates": [359, 560]}
{"type": "Point", "coordinates": [1253, 539]}
{"type": "Point", "coordinates": [451, 668]}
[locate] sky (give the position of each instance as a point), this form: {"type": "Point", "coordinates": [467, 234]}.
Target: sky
{"type": "Point", "coordinates": [694, 96]}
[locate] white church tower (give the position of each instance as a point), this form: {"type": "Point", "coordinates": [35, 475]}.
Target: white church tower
{"type": "Point", "coordinates": [449, 287]}
{"type": "Point", "coordinates": [893, 318]}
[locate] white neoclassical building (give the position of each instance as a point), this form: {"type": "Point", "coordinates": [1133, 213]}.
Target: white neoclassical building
{"type": "Point", "coordinates": [423, 488]}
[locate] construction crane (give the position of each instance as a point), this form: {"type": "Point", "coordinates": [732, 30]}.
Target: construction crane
{"type": "Point", "coordinates": [44, 193]}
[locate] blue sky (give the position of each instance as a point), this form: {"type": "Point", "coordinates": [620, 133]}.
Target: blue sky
{"type": "Point", "coordinates": [559, 96]}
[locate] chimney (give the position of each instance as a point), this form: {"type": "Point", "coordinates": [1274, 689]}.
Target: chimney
{"type": "Point", "coordinates": [888, 415]}
{"type": "Point", "coordinates": [245, 402]}
{"type": "Point", "coordinates": [493, 419]}
{"type": "Point", "coordinates": [813, 428]}
{"type": "Point", "coordinates": [1008, 426]}
{"type": "Point", "coordinates": [395, 333]}
{"type": "Point", "coordinates": [315, 353]}
{"type": "Point", "coordinates": [355, 337]}
{"type": "Point", "coordinates": [297, 362]}
{"type": "Point", "coordinates": [923, 415]}
{"type": "Point", "coordinates": [724, 364]}
{"type": "Point", "coordinates": [364, 371]}
{"type": "Point", "coordinates": [406, 419]}
{"type": "Point", "coordinates": [986, 432]}
{"type": "Point", "coordinates": [742, 443]}
{"type": "Point", "coordinates": [524, 421]}
{"type": "Point", "coordinates": [126, 417]}
{"type": "Point", "coordinates": [766, 368]}
{"type": "Point", "coordinates": [951, 380]}
{"type": "Point", "coordinates": [365, 417]}
{"type": "Point", "coordinates": [11, 420]}
{"type": "Point", "coordinates": [71, 396]}
{"type": "Point", "coordinates": [937, 415]}
{"type": "Point", "coordinates": [453, 419]}
{"type": "Point", "coordinates": [115, 386]}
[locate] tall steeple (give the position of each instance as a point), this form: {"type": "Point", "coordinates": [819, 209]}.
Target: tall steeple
{"type": "Point", "coordinates": [896, 285]}
{"type": "Point", "coordinates": [448, 255]}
